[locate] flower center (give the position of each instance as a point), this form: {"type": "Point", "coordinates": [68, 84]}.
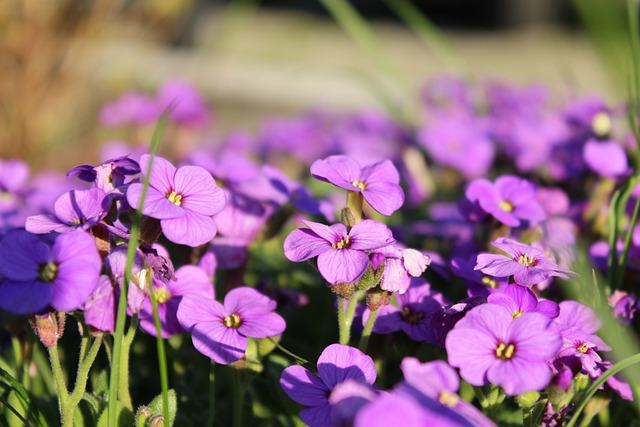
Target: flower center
{"type": "Point", "coordinates": [517, 314]}
{"type": "Point", "coordinates": [48, 272]}
{"type": "Point", "coordinates": [489, 282]}
{"type": "Point", "coordinates": [410, 316]}
{"type": "Point", "coordinates": [527, 260]}
{"type": "Point", "coordinates": [162, 295]}
{"type": "Point", "coordinates": [360, 184]}
{"type": "Point", "coordinates": [78, 221]}
{"type": "Point", "coordinates": [583, 348]}
{"type": "Point", "coordinates": [174, 198]}
{"type": "Point", "coordinates": [506, 206]}
{"type": "Point", "coordinates": [232, 321]}
{"type": "Point", "coordinates": [601, 124]}
{"type": "Point", "coordinates": [448, 399]}
{"type": "Point", "coordinates": [343, 243]}
{"type": "Point", "coordinates": [504, 352]}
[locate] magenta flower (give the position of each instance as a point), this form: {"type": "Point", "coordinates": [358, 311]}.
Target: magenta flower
{"type": "Point", "coordinates": [108, 175]}
{"type": "Point", "coordinates": [37, 276]}
{"type": "Point", "coordinates": [190, 280]}
{"type": "Point", "coordinates": [77, 209]}
{"type": "Point", "coordinates": [527, 265]}
{"type": "Point", "coordinates": [184, 200]}
{"type": "Point", "coordinates": [606, 158]}
{"type": "Point", "coordinates": [341, 253]}
{"type": "Point", "coordinates": [490, 346]}
{"type": "Point", "coordinates": [510, 200]}
{"type": "Point", "coordinates": [519, 300]}
{"type": "Point", "coordinates": [341, 389]}
{"type": "Point", "coordinates": [220, 331]}
{"type": "Point", "coordinates": [378, 183]}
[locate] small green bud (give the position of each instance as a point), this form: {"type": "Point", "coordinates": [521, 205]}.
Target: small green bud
{"type": "Point", "coordinates": [526, 400]}
{"type": "Point", "coordinates": [347, 218]}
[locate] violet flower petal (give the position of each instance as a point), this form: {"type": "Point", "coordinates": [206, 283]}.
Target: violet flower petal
{"type": "Point", "coordinates": [191, 229]}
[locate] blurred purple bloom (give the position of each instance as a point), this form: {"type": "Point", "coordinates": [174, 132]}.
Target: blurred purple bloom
{"type": "Point", "coordinates": [490, 346]}
{"type": "Point", "coordinates": [37, 276]}
{"type": "Point", "coordinates": [220, 331]}
{"type": "Point", "coordinates": [519, 300]}
{"type": "Point", "coordinates": [100, 308]}
{"type": "Point", "coordinates": [625, 306]}
{"type": "Point", "coordinates": [190, 280]}
{"type": "Point", "coordinates": [378, 183]}
{"type": "Point", "coordinates": [527, 265]}
{"type": "Point", "coordinates": [341, 253]}
{"type": "Point", "coordinates": [132, 108]}
{"type": "Point", "coordinates": [184, 200]}
{"type": "Point", "coordinates": [77, 209]}
{"type": "Point", "coordinates": [510, 200]}
{"type": "Point", "coordinates": [606, 158]}
{"type": "Point", "coordinates": [341, 389]}
{"type": "Point", "coordinates": [306, 138]}
{"type": "Point", "coordinates": [187, 104]}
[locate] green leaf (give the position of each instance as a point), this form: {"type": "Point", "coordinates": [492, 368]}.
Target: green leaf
{"type": "Point", "coordinates": [24, 399]}
{"type": "Point", "coordinates": [124, 417]}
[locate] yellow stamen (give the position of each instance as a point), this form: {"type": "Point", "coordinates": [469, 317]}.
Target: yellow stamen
{"type": "Point", "coordinates": [48, 272]}
{"type": "Point", "coordinates": [175, 198]}
{"type": "Point", "coordinates": [448, 399]}
{"type": "Point", "coordinates": [601, 124]}
{"type": "Point", "coordinates": [583, 348]}
{"type": "Point", "coordinates": [517, 314]}
{"type": "Point", "coordinates": [410, 316]}
{"type": "Point", "coordinates": [504, 352]}
{"type": "Point", "coordinates": [162, 295]}
{"type": "Point", "coordinates": [527, 260]}
{"type": "Point", "coordinates": [361, 185]}
{"type": "Point", "coordinates": [506, 206]}
{"type": "Point", "coordinates": [344, 243]}
{"type": "Point", "coordinates": [232, 321]}
{"type": "Point", "coordinates": [489, 282]}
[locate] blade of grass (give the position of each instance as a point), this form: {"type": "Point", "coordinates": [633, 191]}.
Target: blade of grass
{"type": "Point", "coordinates": [162, 358]}
{"type": "Point", "coordinates": [118, 335]}
{"type": "Point", "coordinates": [24, 398]}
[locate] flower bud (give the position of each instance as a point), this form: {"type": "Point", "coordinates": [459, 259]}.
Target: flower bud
{"type": "Point", "coordinates": [377, 297]}
{"type": "Point", "coordinates": [49, 327]}
{"type": "Point", "coordinates": [344, 290]}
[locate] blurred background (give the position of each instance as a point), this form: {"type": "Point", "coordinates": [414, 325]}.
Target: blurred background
{"type": "Point", "coordinates": [62, 60]}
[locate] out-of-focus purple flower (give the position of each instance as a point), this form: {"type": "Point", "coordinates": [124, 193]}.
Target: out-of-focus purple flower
{"type": "Point", "coordinates": [184, 200]}
{"type": "Point", "coordinates": [109, 175]}
{"type": "Point", "coordinates": [37, 276]}
{"type": "Point", "coordinates": [606, 158]}
{"type": "Point", "coordinates": [527, 265]}
{"type": "Point", "coordinates": [625, 306]}
{"type": "Point", "coordinates": [14, 175]}
{"type": "Point", "coordinates": [341, 254]}
{"type": "Point", "coordinates": [553, 418]}
{"type": "Point", "coordinates": [220, 331]}
{"type": "Point", "coordinates": [519, 300]}
{"type": "Point", "coordinates": [490, 346]}
{"type": "Point", "coordinates": [187, 104]}
{"type": "Point", "coordinates": [306, 138]}
{"type": "Point", "coordinates": [334, 397]}
{"type": "Point", "coordinates": [589, 116]}
{"type": "Point", "coordinates": [447, 93]}
{"type": "Point", "coordinates": [378, 183]}
{"type": "Point", "coordinates": [190, 280]}
{"type": "Point", "coordinates": [100, 308]}
{"type": "Point", "coordinates": [132, 108]}
{"type": "Point", "coordinates": [478, 284]}
{"type": "Point", "coordinates": [510, 200]}
{"type": "Point", "coordinates": [77, 209]}
{"type": "Point", "coordinates": [460, 142]}
{"type": "Point", "coordinates": [412, 315]}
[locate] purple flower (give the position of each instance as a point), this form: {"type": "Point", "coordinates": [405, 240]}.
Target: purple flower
{"type": "Point", "coordinates": [220, 331]}
{"type": "Point", "coordinates": [624, 306]}
{"type": "Point", "coordinates": [131, 108]}
{"type": "Point", "coordinates": [188, 106]}
{"type": "Point", "coordinates": [378, 183]}
{"type": "Point", "coordinates": [77, 209]}
{"type": "Point", "coordinates": [37, 276]}
{"type": "Point", "coordinates": [490, 346]}
{"type": "Point", "coordinates": [399, 266]}
{"type": "Point", "coordinates": [527, 265]}
{"type": "Point", "coordinates": [606, 158]}
{"type": "Point", "coordinates": [184, 200]}
{"type": "Point", "coordinates": [341, 253]}
{"type": "Point", "coordinates": [478, 284]}
{"type": "Point", "coordinates": [412, 315]}
{"type": "Point", "coordinates": [190, 280]}
{"type": "Point", "coordinates": [341, 389]}
{"type": "Point", "coordinates": [519, 300]}
{"type": "Point", "coordinates": [108, 175]}
{"type": "Point", "coordinates": [510, 200]}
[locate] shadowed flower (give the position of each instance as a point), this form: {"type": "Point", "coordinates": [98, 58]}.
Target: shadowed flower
{"type": "Point", "coordinates": [378, 183]}
{"type": "Point", "coordinates": [341, 253]}
{"type": "Point", "coordinates": [490, 346]}
{"type": "Point", "coordinates": [341, 389]}
{"type": "Point", "coordinates": [527, 265]}
{"type": "Point", "coordinates": [37, 276]}
{"type": "Point", "coordinates": [519, 300]}
{"type": "Point", "coordinates": [220, 331]}
{"type": "Point", "coordinates": [108, 175]}
{"type": "Point", "coordinates": [184, 200]}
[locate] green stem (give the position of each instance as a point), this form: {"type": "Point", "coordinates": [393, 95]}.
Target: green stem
{"type": "Point", "coordinates": [238, 400]}
{"type": "Point", "coordinates": [344, 331]}
{"type": "Point", "coordinates": [123, 386]}
{"type": "Point", "coordinates": [351, 308]}
{"type": "Point", "coordinates": [366, 333]}
{"type": "Point", "coordinates": [81, 382]}
{"type": "Point", "coordinates": [17, 355]}
{"type": "Point", "coordinates": [162, 359]}
{"type": "Point", "coordinates": [118, 336]}
{"type": "Point", "coordinates": [588, 394]}
{"type": "Point", "coordinates": [289, 353]}
{"type": "Point", "coordinates": [212, 392]}
{"type": "Point", "coordinates": [355, 201]}
{"type": "Point", "coordinates": [58, 375]}
{"type": "Point", "coordinates": [627, 240]}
